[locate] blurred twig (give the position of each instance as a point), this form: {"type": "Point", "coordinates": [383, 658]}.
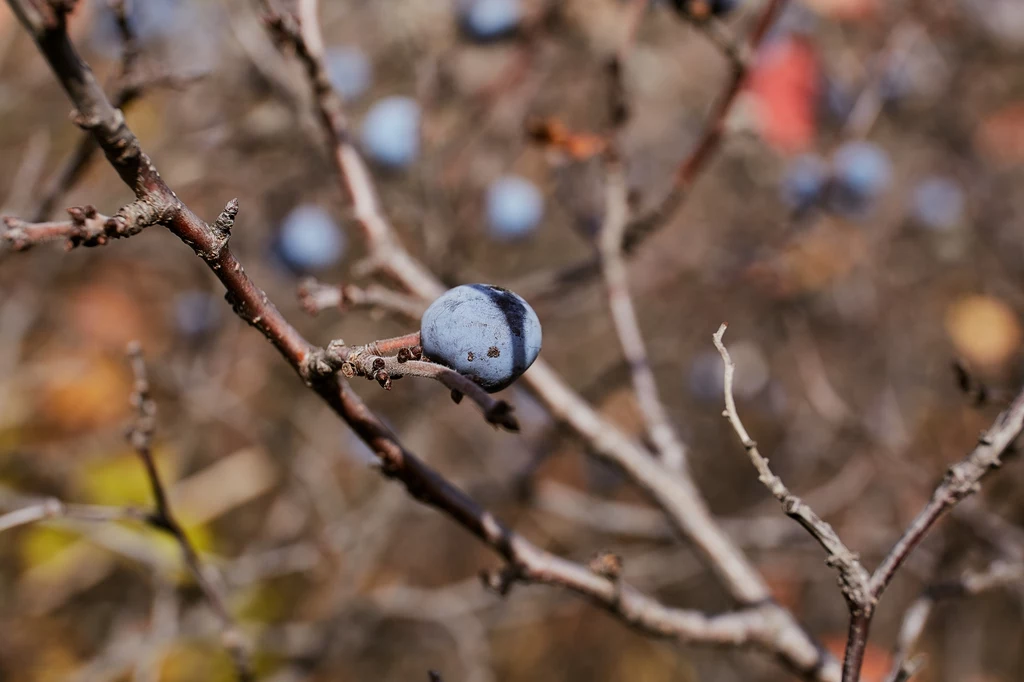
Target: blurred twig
{"type": "Point", "coordinates": [863, 591]}
{"type": "Point", "coordinates": [997, 575]}
{"type": "Point", "coordinates": [140, 435]}
{"type": "Point", "coordinates": [666, 441]}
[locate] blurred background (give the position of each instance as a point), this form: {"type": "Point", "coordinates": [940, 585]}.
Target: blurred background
{"type": "Point", "coordinates": [861, 229]}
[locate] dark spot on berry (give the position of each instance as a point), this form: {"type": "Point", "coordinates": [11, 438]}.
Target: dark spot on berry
{"type": "Point", "coordinates": [492, 352]}
{"type": "Point", "coordinates": [470, 356]}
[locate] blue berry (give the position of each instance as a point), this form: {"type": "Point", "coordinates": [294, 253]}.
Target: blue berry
{"type": "Point", "coordinates": [490, 19]}
{"type": "Point", "coordinates": [485, 332]}
{"type": "Point", "coordinates": [196, 312]}
{"type": "Point", "coordinates": [938, 203]}
{"type": "Point", "coordinates": [861, 171]}
{"type": "Point", "coordinates": [310, 239]}
{"type": "Point", "coordinates": [391, 131]}
{"type": "Point", "coordinates": [514, 207]}
{"type": "Point", "coordinates": [349, 71]}
{"type": "Point", "coordinates": [804, 181]}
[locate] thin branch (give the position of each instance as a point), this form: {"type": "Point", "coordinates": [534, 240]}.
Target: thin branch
{"type": "Point", "coordinates": [87, 227]}
{"type": "Point", "coordinates": [640, 227]}
{"type": "Point", "coordinates": [962, 480]}
{"type": "Point", "coordinates": [140, 435]}
{"type": "Point", "coordinates": [54, 508]}
{"type": "Point", "coordinates": [710, 139]}
{"type": "Point", "coordinates": [666, 441]}
{"type": "Point", "coordinates": [997, 575]}
{"type": "Point", "coordinates": [853, 578]}
{"type": "Point", "coordinates": [316, 297]}
{"type": "Point", "coordinates": [372, 362]}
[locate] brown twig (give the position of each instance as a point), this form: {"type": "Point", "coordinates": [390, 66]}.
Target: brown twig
{"type": "Point", "coordinates": [140, 435]}
{"type": "Point", "coordinates": [666, 441]}
{"type": "Point", "coordinates": [997, 575]}
{"type": "Point", "coordinates": [640, 227]}
{"type": "Point", "coordinates": [390, 359]}
{"type": "Point", "coordinates": [87, 227]}
{"type": "Point", "coordinates": [316, 297]}
{"type": "Point", "coordinates": [853, 578]}
{"type": "Point", "coordinates": [863, 591]}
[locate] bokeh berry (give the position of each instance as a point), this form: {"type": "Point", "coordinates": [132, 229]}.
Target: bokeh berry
{"type": "Point", "coordinates": [349, 71]}
{"type": "Point", "coordinates": [484, 332]}
{"type": "Point", "coordinates": [938, 203]}
{"type": "Point", "coordinates": [861, 172]}
{"type": "Point", "coordinates": [486, 20]}
{"type": "Point", "coordinates": [804, 182]}
{"type": "Point", "coordinates": [514, 208]}
{"type": "Point", "coordinates": [309, 239]}
{"type": "Point", "coordinates": [391, 131]}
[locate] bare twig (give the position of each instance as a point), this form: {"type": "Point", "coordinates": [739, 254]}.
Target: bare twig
{"type": "Point", "coordinates": [54, 508]}
{"type": "Point", "coordinates": [667, 442]}
{"type": "Point", "coordinates": [853, 578]}
{"type": "Point", "coordinates": [316, 297]}
{"type": "Point", "coordinates": [87, 227]}
{"type": "Point", "coordinates": [710, 139]}
{"type": "Point", "coordinates": [140, 435]}
{"type": "Point", "coordinates": [862, 592]}
{"type": "Point", "coordinates": [373, 362]}
{"type": "Point", "coordinates": [995, 576]}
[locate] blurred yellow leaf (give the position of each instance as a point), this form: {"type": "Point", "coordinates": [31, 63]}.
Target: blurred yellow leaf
{"type": "Point", "coordinates": [983, 329]}
{"type": "Point", "coordinates": [41, 543]}
{"type": "Point", "coordinates": [121, 479]}
{"type": "Point", "coordinates": [190, 661]}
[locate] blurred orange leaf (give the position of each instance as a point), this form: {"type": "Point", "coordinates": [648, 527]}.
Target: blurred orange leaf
{"type": "Point", "coordinates": [92, 392]}
{"type": "Point", "coordinates": [983, 329]}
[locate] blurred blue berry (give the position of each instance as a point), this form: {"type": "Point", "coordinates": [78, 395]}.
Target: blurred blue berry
{"type": "Point", "coordinates": [804, 181]}
{"type": "Point", "coordinates": [484, 332]}
{"type": "Point", "coordinates": [490, 19]}
{"type": "Point", "coordinates": [707, 377]}
{"type": "Point", "coordinates": [514, 207]}
{"type": "Point", "coordinates": [196, 312]}
{"type": "Point", "coordinates": [149, 20]}
{"type": "Point", "coordinates": [938, 203]}
{"type": "Point", "coordinates": [349, 71]}
{"type": "Point", "coordinates": [391, 131]}
{"type": "Point", "coordinates": [861, 172]}
{"type": "Point", "coordinates": [310, 239]}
